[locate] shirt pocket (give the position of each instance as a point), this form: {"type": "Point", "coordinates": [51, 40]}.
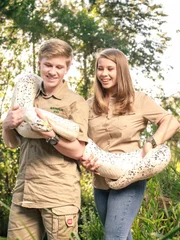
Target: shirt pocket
{"type": "Point", "coordinates": [126, 120]}
{"type": "Point", "coordinates": [123, 127]}
{"type": "Point", "coordinates": [119, 122]}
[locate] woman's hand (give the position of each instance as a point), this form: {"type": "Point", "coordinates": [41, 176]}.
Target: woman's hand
{"type": "Point", "coordinates": [146, 148]}
{"type": "Point", "coordinates": [90, 163]}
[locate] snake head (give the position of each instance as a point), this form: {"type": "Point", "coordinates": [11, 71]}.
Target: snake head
{"type": "Point", "coordinates": [41, 126]}
{"type": "Point", "coordinates": [36, 123]}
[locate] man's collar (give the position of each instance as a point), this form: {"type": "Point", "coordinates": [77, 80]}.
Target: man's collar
{"type": "Point", "coordinates": [58, 94]}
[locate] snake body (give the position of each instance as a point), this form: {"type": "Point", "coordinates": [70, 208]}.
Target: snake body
{"type": "Point", "coordinates": [122, 169]}
{"type": "Point", "coordinates": [119, 169]}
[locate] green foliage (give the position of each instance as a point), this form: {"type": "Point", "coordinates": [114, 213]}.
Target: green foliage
{"type": "Point", "coordinates": [86, 188]}
{"type": "Point", "coordinates": [159, 215]}
{"type": "Point", "coordinates": [91, 227]}
{"type": "Point", "coordinates": [125, 25]}
{"type": "Point", "coordinates": [133, 20]}
{"type": "Point", "coordinates": [8, 171]}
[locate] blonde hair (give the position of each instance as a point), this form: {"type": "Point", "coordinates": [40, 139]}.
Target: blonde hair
{"type": "Point", "coordinates": [125, 91]}
{"type": "Point", "coordinates": [54, 48]}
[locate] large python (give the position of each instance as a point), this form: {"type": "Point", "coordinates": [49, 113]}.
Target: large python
{"type": "Point", "coordinates": [119, 169]}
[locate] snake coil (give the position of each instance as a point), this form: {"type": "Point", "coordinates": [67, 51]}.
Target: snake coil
{"type": "Point", "coordinates": [119, 169]}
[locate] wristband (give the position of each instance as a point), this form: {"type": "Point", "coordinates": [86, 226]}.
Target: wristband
{"type": "Point", "coordinates": [53, 140]}
{"type": "Point", "coordinates": [152, 141]}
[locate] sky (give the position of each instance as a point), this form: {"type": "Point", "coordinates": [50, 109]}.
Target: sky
{"type": "Point", "coordinates": [170, 58]}
{"type": "Point", "coordinates": [172, 54]}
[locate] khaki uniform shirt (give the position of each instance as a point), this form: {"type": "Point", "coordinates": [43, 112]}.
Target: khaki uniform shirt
{"type": "Point", "coordinates": [46, 178]}
{"type": "Point", "coordinates": [122, 133]}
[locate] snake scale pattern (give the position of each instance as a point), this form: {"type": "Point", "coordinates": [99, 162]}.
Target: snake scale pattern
{"type": "Point", "coordinates": [119, 169]}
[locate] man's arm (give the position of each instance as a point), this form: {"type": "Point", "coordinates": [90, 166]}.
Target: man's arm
{"type": "Point", "coordinates": [73, 149]}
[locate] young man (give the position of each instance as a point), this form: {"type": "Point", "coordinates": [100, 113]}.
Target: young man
{"type": "Point", "coordinates": [46, 197]}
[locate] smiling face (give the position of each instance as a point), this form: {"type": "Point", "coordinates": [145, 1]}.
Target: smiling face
{"type": "Point", "coordinates": [107, 74]}
{"type": "Point", "coordinates": [52, 71]}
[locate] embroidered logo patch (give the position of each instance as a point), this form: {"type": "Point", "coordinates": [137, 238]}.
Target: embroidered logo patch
{"type": "Point", "coordinates": [56, 109]}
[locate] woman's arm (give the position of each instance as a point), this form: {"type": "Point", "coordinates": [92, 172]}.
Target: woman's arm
{"type": "Point", "coordinates": [168, 126]}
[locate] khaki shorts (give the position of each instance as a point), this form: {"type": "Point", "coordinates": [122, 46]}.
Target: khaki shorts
{"type": "Point", "coordinates": [31, 223]}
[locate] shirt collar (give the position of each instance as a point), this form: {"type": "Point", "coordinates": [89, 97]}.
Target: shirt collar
{"type": "Point", "coordinates": [58, 94]}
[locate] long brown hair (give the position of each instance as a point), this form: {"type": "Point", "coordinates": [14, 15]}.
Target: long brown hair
{"type": "Point", "coordinates": [125, 90]}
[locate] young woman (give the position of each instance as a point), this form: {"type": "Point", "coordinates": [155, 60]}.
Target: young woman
{"type": "Point", "coordinates": [117, 116]}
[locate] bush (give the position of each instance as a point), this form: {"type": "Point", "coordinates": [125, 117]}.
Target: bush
{"type": "Point", "coordinates": [8, 171]}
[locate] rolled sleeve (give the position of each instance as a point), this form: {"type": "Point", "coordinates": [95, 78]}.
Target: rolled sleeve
{"type": "Point", "coordinates": [151, 110]}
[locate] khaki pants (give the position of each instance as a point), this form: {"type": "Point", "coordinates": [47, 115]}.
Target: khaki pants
{"type": "Point", "coordinates": [31, 224]}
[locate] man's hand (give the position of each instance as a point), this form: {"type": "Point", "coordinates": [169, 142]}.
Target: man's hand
{"type": "Point", "coordinates": [12, 121]}
{"type": "Point", "coordinates": [48, 134]}
{"type": "Point", "coordinates": [14, 118]}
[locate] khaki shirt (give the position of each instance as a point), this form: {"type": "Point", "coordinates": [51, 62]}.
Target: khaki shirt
{"type": "Point", "coordinates": [122, 133]}
{"type": "Point", "coordinates": [46, 178]}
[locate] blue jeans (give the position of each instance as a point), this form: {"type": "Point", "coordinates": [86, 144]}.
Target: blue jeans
{"type": "Point", "coordinates": [118, 208]}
